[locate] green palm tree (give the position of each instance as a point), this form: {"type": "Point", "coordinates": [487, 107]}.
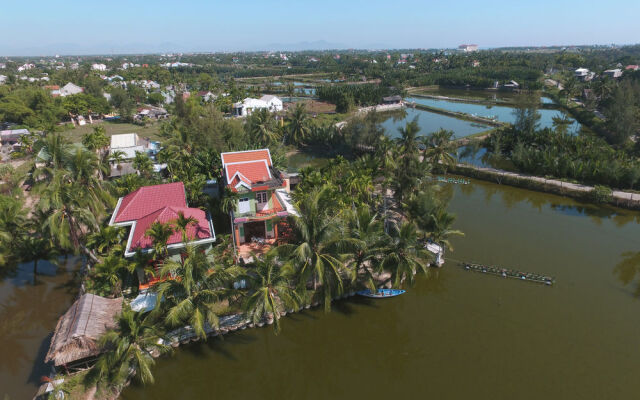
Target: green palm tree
{"type": "Point", "coordinates": [440, 149]}
{"type": "Point", "coordinates": [366, 243]}
{"type": "Point", "coordinates": [316, 256]}
{"type": "Point", "coordinates": [298, 124]}
{"type": "Point", "coordinates": [117, 157]}
{"type": "Point", "coordinates": [67, 210]}
{"type": "Point", "coordinates": [182, 223]}
{"type": "Point", "coordinates": [442, 230]}
{"type": "Point", "coordinates": [160, 233]}
{"type": "Point", "coordinates": [127, 350]}
{"type": "Point", "coordinates": [191, 289]}
{"type": "Point", "coordinates": [107, 238]}
{"type": "Point", "coordinates": [107, 277]}
{"type": "Point", "coordinates": [263, 128]}
{"type": "Point", "coordinates": [405, 256]}
{"type": "Point", "coordinates": [271, 292]}
{"type": "Point", "coordinates": [143, 164]}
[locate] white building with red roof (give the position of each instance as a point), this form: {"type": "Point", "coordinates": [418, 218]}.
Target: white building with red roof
{"type": "Point", "coordinates": [263, 198]}
{"type": "Point", "coordinates": [160, 203]}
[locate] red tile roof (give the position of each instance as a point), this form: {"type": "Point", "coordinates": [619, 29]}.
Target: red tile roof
{"type": "Point", "coordinates": [249, 172]}
{"type": "Point", "coordinates": [148, 199]}
{"type": "Point", "coordinates": [198, 231]}
{"type": "Point", "coordinates": [241, 156]}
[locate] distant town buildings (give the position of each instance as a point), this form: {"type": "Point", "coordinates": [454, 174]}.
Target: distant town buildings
{"type": "Point", "coordinates": [26, 67]}
{"type": "Point", "coordinates": [468, 48]}
{"type": "Point", "coordinates": [98, 67]}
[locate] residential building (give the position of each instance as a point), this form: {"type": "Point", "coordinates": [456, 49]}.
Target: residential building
{"type": "Point", "coordinates": [613, 73]}
{"type": "Point", "coordinates": [26, 67]}
{"type": "Point", "coordinates": [249, 105]}
{"type": "Point", "coordinates": [12, 136]}
{"type": "Point", "coordinates": [263, 198]}
{"type": "Point", "coordinates": [392, 100]}
{"type": "Point", "coordinates": [70, 89]}
{"type": "Point", "coordinates": [511, 85]}
{"type": "Point", "coordinates": [98, 67]}
{"type": "Point", "coordinates": [632, 67]}
{"type": "Point", "coordinates": [160, 203]}
{"type": "Point", "coordinates": [3, 79]}
{"type": "Point", "coordinates": [151, 112]}
{"type": "Point", "coordinates": [583, 74]}
{"type": "Point", "coordinates": [129, 144]}
{"type": "Point", "coordinates": [468, 48]}
{"type": "Point", "coordinates": [207, 96]}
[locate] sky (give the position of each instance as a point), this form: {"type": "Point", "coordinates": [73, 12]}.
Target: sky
{"type": "Point", "coordinates": [45, 27]}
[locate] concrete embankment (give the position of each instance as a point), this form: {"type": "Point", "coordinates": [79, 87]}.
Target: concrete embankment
{"type": "Point", "coordinates": [618, 198]}
{"type": "Point", "coordinates": [458, 115]}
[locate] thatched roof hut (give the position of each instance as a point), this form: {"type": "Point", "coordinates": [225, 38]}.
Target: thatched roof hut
{"type": "Point", "coordinates": [78, 330]}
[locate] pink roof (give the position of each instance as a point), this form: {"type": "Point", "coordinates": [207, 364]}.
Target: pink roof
{"type": "Point", "coordinates": [148, 199]}
{"type": "Point", "coordinates": [249, 172]}
{"type": "Point", "coordinates": [198, 231]}
{"type": "Point", "coordinates": [241, 156]}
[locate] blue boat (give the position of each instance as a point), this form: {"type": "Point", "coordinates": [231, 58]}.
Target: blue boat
{"type": "Point", "coordinates": [381, 293]}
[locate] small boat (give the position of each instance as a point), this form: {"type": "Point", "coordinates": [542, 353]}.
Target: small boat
{"type": "Point", "coordinates": [381, 293]}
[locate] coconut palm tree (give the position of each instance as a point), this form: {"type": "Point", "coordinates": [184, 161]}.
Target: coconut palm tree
{"type": "Point", "coordinates": [316, 256]}
{"type": "Point", "coordinates": [117, 157]}
{"type": "Point", "coordinates": [107, 238]}
{"type": "Point", "coordinates": [271, 292]}
{"type": "Point", "coordinates": [290, 91]}
{"type": "Point", "coordinates": [67, 210]}
{"type": "Point", "coordinates": [143, 164]}
{"type": "Point", "coordinates": [191, 289]}
{"type": "Point", "coordinates": [441, 228]}
{"type": "Point", "coordinates": [405, 255]}
{"type": "Point", "coordinates": [107, 276]}
{"type": "Point", "coordinates": [440, 149]}
{"type": "Point", "coordinates": [262, 127]}
{"type": "Point", "coordinates": [127, 351]}
{"type": "Point", "coordinates": [160, 233]}
{"type": "Point", "coordinates": [298, 124]}
{"type": "Point", "coordinates": [182, 224]}
{"type": "Point", "coordinates": [366, 245]}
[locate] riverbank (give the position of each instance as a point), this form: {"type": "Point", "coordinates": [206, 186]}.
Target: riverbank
{"type": "Point", "coordinates": [617, 198]}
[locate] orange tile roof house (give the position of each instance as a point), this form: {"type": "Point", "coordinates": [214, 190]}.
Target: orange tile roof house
{"type": "Point", "coordinates": [263, 195]}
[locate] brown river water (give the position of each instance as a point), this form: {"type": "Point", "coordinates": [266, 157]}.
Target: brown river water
{"type": "Point", "coordinates": [456, 334]}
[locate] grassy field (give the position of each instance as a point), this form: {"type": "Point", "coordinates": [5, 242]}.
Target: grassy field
{"type": "Point", "coordinates": [151, 131]}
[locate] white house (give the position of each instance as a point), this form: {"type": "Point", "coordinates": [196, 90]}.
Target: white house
{"type": "Point", "coordinates": [3, 79]}
{"type": "Point", "coordinates": [249, 105]}
{"type": "Point", "coordinates": [70, 89]}
{"type": "Point", "coordinates": [613, 73]}
{"type": "Point", "coordinates": [129, 144]}
{"type": "Point", "coordinates": [25, 67]}
{"type": "Point", "coordinates": [583, 74]}
{"type": "Point", "coordinates": [98, 67]}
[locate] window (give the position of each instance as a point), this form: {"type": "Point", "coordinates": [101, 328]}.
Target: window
{"type": "Point", "coordinates": [261, 197]}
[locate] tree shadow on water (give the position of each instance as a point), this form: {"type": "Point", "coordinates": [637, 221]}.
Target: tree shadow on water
{"type": "Point", "coordinates": [628, 271]}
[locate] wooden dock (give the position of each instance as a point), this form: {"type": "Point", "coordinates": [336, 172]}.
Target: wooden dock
{"type": "Point", "coordinates": [509, 273]}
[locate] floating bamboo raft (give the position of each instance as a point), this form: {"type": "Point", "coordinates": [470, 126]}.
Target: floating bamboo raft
{"type": "Point", "coordinates": [509, 273]}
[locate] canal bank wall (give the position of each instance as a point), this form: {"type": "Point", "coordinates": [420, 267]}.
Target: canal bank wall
{"type": "Point", "coordinates": [618, 198]}
{"type": "Point", "coordinates": [458, 115]}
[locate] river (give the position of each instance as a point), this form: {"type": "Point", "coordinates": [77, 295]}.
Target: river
{"type": "Point", "coordinates": [457, 334]}
{"type": "Point", "coordinates": [28, 315]}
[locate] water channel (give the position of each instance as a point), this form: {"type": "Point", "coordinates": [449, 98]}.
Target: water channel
{"type": "Point", "coordinates": [456, 334]}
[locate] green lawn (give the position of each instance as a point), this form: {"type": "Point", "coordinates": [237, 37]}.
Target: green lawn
{"type": "Point", "coordinates": [114, 128]}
